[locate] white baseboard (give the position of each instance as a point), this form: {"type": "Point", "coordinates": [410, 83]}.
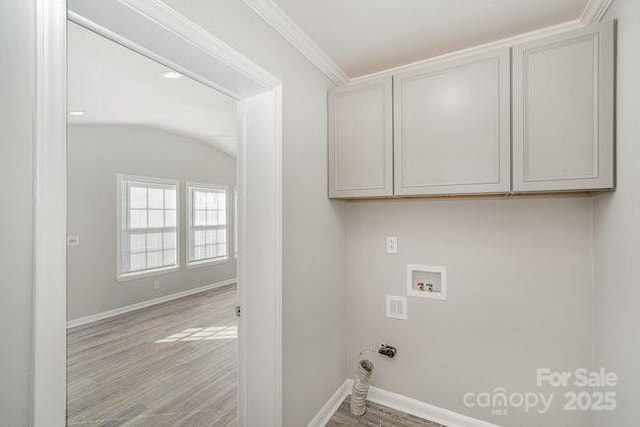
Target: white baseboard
{"type": "Point", "coordinates": [326, 412]}
{"type": "Point", "coordinates": [106, 314]}
{"type": "Point", "coordinates": [400, 403]}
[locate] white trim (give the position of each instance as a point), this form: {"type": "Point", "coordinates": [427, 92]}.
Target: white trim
{"type": "Point", "coordinates": [420, 409]}
{"type": "Point", "coordinates": [241, 167]}
{"type": "Point", "coordinates": [234, 230]}
{"type": "Point", "coordinates": [188, 209]}
{"type": "Point", "coordinates": [127, 277]}
{"type": "Point", "coordinates": [148, 179]}
{"type": "Point", "coordinates": [278, 245]}
{"type": "Point", "coordinates": [186, 29]}
{"type": "Point", "coordinates": [506, 42]}
{"type": "Point", "coordinates": [398, 402]}
{"type": "Point", "coordinates": [273, 15]}
{"type": "Point", "coordinates": [133, 307]}
{"type": "Point", "coordinates": [49, 217]}
{"type": "Point", "coordinates": [594, 11]}
{"type": "Point", "coordinates": [325, 413]}
{"type": "Point", "coordinates": [206, 59]}
{"type": "Point", "coordinates": [260, 148]}
{"type": "Point", "coordinates": [207, 186]}
{"type": "Point", "coordinates": [441, 295]}
{"type": "Point", "coordinates": [207, 262]}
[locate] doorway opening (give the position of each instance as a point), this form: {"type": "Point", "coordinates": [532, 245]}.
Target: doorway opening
{"type": "Point", "coordinates": [158, 32]}
{"type": "Point", "coordinates": [151, 248]}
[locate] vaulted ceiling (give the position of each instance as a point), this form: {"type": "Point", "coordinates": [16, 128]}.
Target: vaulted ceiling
{"type": "Point", "coordinates": [114, 85]}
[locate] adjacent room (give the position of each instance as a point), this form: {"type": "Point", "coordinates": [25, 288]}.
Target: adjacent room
{"type": "Point", "coordinates": [151, 261]}
{"type": "Point", "coordinates": [285, 213]}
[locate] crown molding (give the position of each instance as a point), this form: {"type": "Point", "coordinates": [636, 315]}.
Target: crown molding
{"type": "Point", "coordinates": [273, 15]}
{"type": "Point", "coordinates": [594, 11]}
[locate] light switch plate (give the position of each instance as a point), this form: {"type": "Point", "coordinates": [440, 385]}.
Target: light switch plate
{"type": "Point", "coordinates": [392, 245]}
{"type": "Point", "coordinates": [73, 240]}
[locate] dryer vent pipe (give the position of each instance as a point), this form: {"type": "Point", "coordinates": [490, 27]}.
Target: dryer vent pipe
{"type": "Point", "coordinates": [361, 387]}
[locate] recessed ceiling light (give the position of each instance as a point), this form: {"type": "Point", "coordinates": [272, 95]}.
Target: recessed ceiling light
{"type": "Point", "coordinates": [77, 113]}
{"type": "Point", "coordinates": [171, 75]}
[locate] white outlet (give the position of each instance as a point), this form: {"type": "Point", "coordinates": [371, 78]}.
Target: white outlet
{"type": "Point", "coordinates": [392, 245]}
{"type": "Point", "coordinates": [73, 240]}
{"type": "Point", "coordinates": [156, 284]}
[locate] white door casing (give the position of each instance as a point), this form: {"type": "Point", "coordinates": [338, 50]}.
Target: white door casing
{"type": "Point", "coordinates": [153, 29]}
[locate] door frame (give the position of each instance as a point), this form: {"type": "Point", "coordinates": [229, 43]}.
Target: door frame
{"type": "Point", "coordinates": [196, 53]}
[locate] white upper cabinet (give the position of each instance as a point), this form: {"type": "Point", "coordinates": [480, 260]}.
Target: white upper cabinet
{"type": "Point", "coordinates": [452, 126]}
{"type": "Point", "coordinates": [563, 111]}
{"type": "Point", "coordinates": [535, 117]}
{"type": "Point", "coordinates": [361, 140]}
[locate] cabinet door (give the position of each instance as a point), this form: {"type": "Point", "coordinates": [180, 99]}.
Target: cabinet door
{"type": "Point", "coordinates": [452, 127]}
{"type": "Point", "coordinates": [361, 140]}
{"type": "Point", "coordinates": [563, 124]}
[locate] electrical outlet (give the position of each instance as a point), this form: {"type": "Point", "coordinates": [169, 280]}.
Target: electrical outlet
{"type": "Point", "coordinates": [156, 284]}
{"type": "Point", "coordinates": [392, 245]}
{"type": "Point", "coordinates": [73, 240]}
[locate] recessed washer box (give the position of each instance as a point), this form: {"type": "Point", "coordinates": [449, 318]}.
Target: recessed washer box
{"type": "Point", "coordinates": [427, 281]}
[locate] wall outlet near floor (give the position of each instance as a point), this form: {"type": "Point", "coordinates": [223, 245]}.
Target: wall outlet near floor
{"type": "Point", "coordinates": [156, 284]}
{"type": "Point", "coordinates": [392, 245]}
{"type": "Point", "coordinates": [73, 240]}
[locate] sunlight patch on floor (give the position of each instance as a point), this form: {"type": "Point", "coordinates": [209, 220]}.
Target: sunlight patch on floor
{"type": "Point", "coordinates": [202, 334]}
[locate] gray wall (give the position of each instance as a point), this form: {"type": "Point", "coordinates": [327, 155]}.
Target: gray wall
{"type": "Point", "coordinates": [315, 241]}
{"type": "Point", "coordinates": [519, 297]}
{"type": "Point", "coordinates": [17, 55]}
{"type": "Point", "coordinates": [617, 233]}
{"type": "Point", "coordinates": [96, 154]}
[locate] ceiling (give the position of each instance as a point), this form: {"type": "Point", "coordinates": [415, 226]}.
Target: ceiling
{"type": "Point", "coordinates": [366, 36]}
{"type": "Point", "coordinates": [114, 85]}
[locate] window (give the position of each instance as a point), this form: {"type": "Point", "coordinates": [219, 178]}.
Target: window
{"type": "Point", "coordinates": [235, 222]}
{"type": "Point", "coordinates": [207, 206]}
{"type": "Point", "coordinates": [148, 239]}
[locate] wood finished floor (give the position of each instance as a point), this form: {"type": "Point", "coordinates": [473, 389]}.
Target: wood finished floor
{"type": "Point", "coordinates": [173, 364]}
{"type": "Point", "coordinates": [377, 416]}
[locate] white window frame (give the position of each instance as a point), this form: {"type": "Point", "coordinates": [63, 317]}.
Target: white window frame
{"type": "Point", "coordinates": [212, 261]}
{"type": "Point", "coordinates": [235, 222]}
{"type": "Point", "coordinates": [121, 215]}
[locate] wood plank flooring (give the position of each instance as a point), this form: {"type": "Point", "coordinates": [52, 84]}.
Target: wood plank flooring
{"type": "Point", "coordinates": [173, 364]}
{"type": "Point", "coordinates": [378, 416]}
